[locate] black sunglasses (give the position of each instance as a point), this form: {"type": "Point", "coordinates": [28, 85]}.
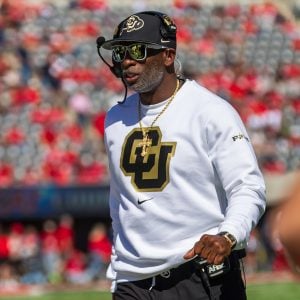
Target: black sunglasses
{"type": "Point", "coordinates": [136, 51]}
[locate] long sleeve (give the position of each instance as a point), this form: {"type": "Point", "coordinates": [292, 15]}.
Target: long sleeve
{"type": "Point", "coordinates": [233, 158]}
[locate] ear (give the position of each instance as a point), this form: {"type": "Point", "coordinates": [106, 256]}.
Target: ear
{"type": "Point", "coordinates": [169, 57]}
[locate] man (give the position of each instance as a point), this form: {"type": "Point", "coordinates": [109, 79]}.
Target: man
{"type": "Point", "coordinates": [185, 186]}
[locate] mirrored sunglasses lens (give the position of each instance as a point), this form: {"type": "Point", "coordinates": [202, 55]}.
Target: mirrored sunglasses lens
{"type": "Point", "coordinates": [137, 51]}
{"type": "Point", "coordinates": [118, 53]}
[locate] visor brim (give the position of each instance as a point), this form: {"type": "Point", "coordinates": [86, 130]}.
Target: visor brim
{"type": "Point", "coordinates": [110, 43]}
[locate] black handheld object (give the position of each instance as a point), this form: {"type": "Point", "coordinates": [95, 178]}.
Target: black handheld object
{"type": "Point", "coordinates": [210, 269]}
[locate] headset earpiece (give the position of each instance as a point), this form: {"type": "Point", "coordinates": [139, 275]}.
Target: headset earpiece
{"type": "Point", "coordinates": [168, 27]}
{"type": "Point", "coordinates": [163, 32]}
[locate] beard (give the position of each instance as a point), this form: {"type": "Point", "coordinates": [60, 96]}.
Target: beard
{"type": "Point", "coordinates": [149, 79]}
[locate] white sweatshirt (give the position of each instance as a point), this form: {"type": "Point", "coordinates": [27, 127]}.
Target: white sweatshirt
{"type": "Point", "coordinates": [200, 176]}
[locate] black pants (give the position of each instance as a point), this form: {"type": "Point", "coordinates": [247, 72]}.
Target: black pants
{"type": "Point", "coordinates": [186, 282]}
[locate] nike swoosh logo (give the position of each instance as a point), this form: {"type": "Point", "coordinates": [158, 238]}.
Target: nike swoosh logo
{"type": "Point", "coordinates": [164, 41]}
{"type": "Point", "coordinates": [145, 200]}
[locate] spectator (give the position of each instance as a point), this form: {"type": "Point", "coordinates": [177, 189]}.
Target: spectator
{"type": "Point", "coordinates": [99, 249]}
{"type": "Point", "coordinates": [32, 271]}
{"type": "Point", "coordinates": [75, 267]}
{"type": "Point", "coordinates": [81, 104]}
{"type": "Point", "coordinates": [65, 234]}
{"type": "Point", "coordinates": [52, 261]}
{"type": "Point", "coordinates": [4, 249]}
{"type": "Point", "coordinates": [15, 243]}
{"type": "Point", "coordinates": [251, 260]}
{"type": "Point", "coordinates": [8, 278]}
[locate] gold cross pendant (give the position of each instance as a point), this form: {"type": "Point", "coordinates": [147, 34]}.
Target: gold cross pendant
{"type": "Point", "coordinates": [145, 144]}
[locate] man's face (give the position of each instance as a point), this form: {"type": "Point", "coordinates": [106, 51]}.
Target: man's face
{"type": "Point", "coordinates": [144, 76]}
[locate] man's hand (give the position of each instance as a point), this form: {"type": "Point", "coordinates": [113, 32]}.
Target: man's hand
{"type": "Point", "coordinates": [213, 248]}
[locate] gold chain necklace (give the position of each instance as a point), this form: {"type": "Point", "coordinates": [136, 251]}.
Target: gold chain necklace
{"type": "Point", "coordinates": [147, 142]}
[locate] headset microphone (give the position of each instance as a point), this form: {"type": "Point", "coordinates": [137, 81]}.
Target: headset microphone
{"type": "Point", "coordinates": [100, 41]}
{"type": "Point", "coordinates": [115, 69]}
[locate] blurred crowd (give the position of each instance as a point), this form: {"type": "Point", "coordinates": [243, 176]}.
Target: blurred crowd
{"type": "Point", "coordinates": [48, 254]}
{"type": "Point", "coordinates": [30, 255]}
{"type": "Point", "coordinates": [55, 91]}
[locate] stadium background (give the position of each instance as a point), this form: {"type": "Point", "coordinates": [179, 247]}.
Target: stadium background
{"type": "Point", "coordinates": [55, 91]}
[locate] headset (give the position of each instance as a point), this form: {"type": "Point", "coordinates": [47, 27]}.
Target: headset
{"type": "Point", "coordinates": [115, 68]}
{"type": "Point", "coordinates": [167, 27]}
{"type": "Point", "coordinates": [167, 30]}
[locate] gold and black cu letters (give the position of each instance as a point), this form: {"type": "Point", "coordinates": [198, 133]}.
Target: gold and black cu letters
{"type": "Point", "coordinates": [151, 172]}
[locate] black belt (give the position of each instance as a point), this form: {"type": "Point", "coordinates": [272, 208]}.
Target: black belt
{"type": "Point", "coordinates": [186, 270]}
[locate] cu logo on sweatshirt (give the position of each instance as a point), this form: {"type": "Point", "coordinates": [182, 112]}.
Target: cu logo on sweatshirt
{"type": "Point", "coordinates": [151, 171]}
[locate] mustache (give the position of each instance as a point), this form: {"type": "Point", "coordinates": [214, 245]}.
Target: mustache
{"type": "Point", "coordinates": [129, 72]}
